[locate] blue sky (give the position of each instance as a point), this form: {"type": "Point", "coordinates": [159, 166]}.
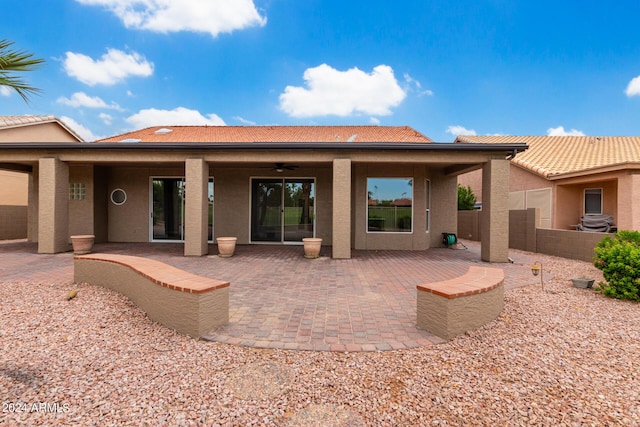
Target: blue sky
{"type": "Point", "coordinates": [442, 67]}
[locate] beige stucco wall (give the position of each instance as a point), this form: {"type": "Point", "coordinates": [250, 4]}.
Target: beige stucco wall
{"type": "Point", "coordinates": [442, 190]}
{"type": "Point", "coordinates": [494, 222]}
{"type": "Point", "coordinates": [188, 313]}
{"type": "Point", "coordinates": [14, 188]}
{"type": "Point", "coordinates": [13, 222]}
{"type": "Point", "coordinates": [36, 132]}
{"type": "Point", "coordinates": [569, 201]}
{"type": "Point", "coordinates": [628, 215]}
{"type": "Point", "coordinates": [232, 202]}
{"type": "Point", "coordinates": [53, 199]}
{"type": "Point", "coordinates": [130, 222]}
{"type": "Point", "coordinates": [81, 212]}
{"type": "Point", "coordinates": [447, 318]}
{"type": "Point", "coordinates": [473, 180]}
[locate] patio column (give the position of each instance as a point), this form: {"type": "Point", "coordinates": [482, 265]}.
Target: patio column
{"type": "Point", "coordinates": [341, 224]}
{"type": "Point", "coordinates": [53, 206]}
{"type": "Point", "coordinates": [495, 211]}
{"type": "Point", "coordinates": [628, 209]}
{"type": "Point", "coordinates": [195, 212]}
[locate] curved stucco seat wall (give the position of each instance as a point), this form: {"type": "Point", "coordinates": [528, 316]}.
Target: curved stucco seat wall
{"type": "Point", "coordinates": [188, 303]}
{"type": "Point", "coordinates": [453, 307]}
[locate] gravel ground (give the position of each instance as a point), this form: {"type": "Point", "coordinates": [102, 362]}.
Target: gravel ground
{"type": "Point", "coordinates": [563, 357]}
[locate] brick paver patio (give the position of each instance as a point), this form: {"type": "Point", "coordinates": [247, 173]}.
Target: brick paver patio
{"type": "Point", "coordinates": [279, 299]}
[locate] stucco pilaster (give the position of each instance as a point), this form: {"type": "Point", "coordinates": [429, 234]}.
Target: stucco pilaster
{"type": "Point", "coordinates": [196, 218]}
{"type": "Point", "coordinates": [628, 208]}
{"type": "Point", "coordinates": [494, 225]}
{"type": "Point", "coordinates": [53, 206]}
{"type": "Point", "coordinates": [341, 208]}
{"type": "Point", "coordinates": [32, 209]}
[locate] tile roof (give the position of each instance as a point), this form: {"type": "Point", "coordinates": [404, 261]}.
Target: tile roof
{"type": "Point", "coordinates": [7, 122]}
{"type": "Point", "coordinates": [10, 121]}
{"type": "Point", "coordinates": [557, 156]}
{"type": "Point", "coordinates": [231, 134]}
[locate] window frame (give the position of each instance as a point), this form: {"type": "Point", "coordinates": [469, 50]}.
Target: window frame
{"type": "Point", "coordinates": [367, 225]}
{"type": "Point", "coordinates": [427, 189]}
{"type": "Point", "coordinates": [600, 193]}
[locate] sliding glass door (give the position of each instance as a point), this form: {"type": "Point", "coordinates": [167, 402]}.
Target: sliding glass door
{"type": "Point", "coordinates": [167, 209]}
{"type": "Point", "coordinates": [282, 210]}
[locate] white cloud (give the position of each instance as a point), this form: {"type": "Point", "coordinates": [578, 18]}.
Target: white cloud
{"type": "Point", "coordinates": [343, 93]}
{"type": "Point", "coordinates": [374, 121]}
{"type": "Point", "coordinates": [106, 118]}
{"type": "Point", "coordinates": [112, 67]}
{"type": "Point", "coordinates": [244, 121]}
{"type": "Point", "coordinates": [81, 99]}
{"type": "Point", "coordinates": [633, 88]}
{"type": "Point", "coordinates": [81, 130]}
{"type": "Point", "coordinates": [5, 91]}
{"type": "Point", "coordinates": [177, 116]}
{"type": "Point", "coordinates": [559, 131]}
{"type": "Point", "coordinates": [460, 130]}
{"type": "Point", "coordinates": [200, 16]}
{"type": "Point", "coordinates": [411, 82]}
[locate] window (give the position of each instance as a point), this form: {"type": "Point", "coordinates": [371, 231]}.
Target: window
{"type": "Point", "coordinates": [77, 191]}
{"type": "Point", "coordinates": [118, 196]}
{"type": "Point", "coordinates": [390, 205]}
{"type": "Point", "coordinates": [428, 203]}
{"type": "Point", "coordinates": [593, 201]}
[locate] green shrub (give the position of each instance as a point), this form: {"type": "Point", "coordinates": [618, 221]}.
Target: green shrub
{"type": "Point", "coordinates": [619, 260]}
{"type": "Point", "coordinates": [466, 198]}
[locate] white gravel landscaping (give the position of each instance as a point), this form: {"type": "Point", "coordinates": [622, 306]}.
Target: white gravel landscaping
{"type": "Point", "coordinates": [563, 357]}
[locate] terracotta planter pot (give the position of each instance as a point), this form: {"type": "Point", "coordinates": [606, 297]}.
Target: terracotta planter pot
{"type": "Point", "coordinates": [82, 244]}
{"type": "Point", "coordinates": [226, 246]}
{"type": "Point", "coordinates": [312, 247]}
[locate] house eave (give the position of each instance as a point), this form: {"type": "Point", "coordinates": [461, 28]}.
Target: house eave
{"type": "Point", "coordinates": [508, 149]}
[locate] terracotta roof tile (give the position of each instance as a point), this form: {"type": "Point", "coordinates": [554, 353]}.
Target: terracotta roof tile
{"type": "Point", "coordinates": [230, 134]}
{"type": "Point", "coordinates": [10, 121]}
{"type": "Point", "coordinates": [551, 156]}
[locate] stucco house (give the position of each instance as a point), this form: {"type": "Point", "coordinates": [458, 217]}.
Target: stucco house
{"type": "Point", "coordinates": [569, 177]}
{"type": "Point", "coordinates": [262, 184]}
{"type": "Point", "coordinates": [14, 188]}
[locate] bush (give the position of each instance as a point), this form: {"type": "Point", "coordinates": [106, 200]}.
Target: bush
{"type": "Point", "coordinates": [466, 198]}
{"type": "Point", "coordinates": [619, 260]}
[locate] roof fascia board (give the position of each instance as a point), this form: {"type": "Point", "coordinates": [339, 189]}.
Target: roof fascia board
{"type": "Point", "coordinates": [594, 171]}
{"type": "Point", "coordinates": [331, 146]}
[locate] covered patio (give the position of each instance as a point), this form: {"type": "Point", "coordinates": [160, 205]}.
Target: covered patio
{"type": "Point", "coordinates": [279, 299]}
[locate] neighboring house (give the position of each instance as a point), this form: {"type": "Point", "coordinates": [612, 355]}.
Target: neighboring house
{"type": "Point", "coordinates": [14, 181]}
{"type": "Point", "coordinates": [568, 177]}
{"type": "Point", "coordinates": [263, 185]}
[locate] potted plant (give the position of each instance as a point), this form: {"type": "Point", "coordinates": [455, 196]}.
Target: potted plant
{"type": "Point", "coordinates": [82, 244]}
{"type": "Point", "coordinates": [226, 246]}
{"type": "Point", "coordinates": [582, 282]}
{"type": "Point", "coordinates": [312, 247]}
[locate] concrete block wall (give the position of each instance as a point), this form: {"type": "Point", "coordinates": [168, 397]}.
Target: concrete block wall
{"type": "Point", "coordinates": [568, 243]}
{"type": "Point", "coordinates": [525, 234]}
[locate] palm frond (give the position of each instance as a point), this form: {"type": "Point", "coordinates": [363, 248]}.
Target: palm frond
{"type": "Point", "coordinates": [12, 61]}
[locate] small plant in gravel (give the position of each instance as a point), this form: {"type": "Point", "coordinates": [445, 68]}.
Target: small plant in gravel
{"type": "Point", "coordinates": [619, 260]}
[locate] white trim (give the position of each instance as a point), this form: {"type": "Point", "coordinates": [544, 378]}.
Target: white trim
{"type": "Point", "coordinates": [584, 201]}
{"type": "Point", "coordinates": [366, 223]}
{"type": "Point", "coordinates": [113, 201]}
{"type": "Point", "coordinates": [427, 188]}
